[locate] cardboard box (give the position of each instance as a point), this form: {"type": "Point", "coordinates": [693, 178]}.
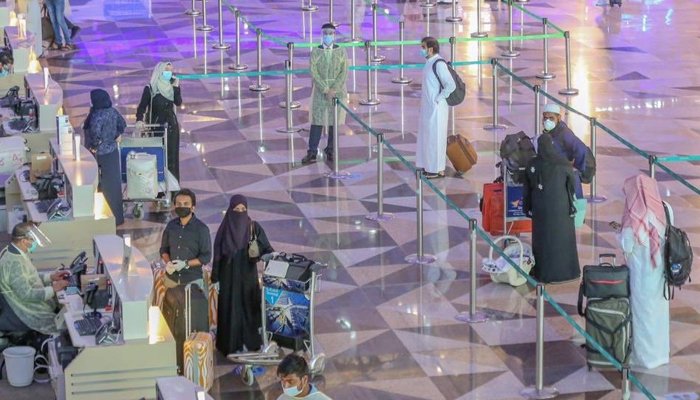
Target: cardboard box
{"type": "Point", "coordinates": [101, 281]}
{"type": "Point", "coordinates": [41, 164]}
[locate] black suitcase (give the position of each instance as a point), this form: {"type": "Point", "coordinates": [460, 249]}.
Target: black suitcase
{"type": "Point", "coordinates": [604, 281]}
{"type": "Point", "coordinates": [175, 311]}
{"type": "Point", "coordinates": [618, 2]}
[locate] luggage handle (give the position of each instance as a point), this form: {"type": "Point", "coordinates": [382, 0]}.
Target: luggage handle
{"type": "Point", "coordinates": [603, 256]}
{"type": "Point", "coordinates": [188, 308]}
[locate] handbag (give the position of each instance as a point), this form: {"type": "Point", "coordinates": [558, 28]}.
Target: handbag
{"type": "Point", "coordinates": [253, 246]}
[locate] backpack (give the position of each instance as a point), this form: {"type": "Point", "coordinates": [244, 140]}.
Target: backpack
{"type": "Point", "coordinates": [678, 257]}
{"type": "Point", "coordinates": [590, 164]}
{"type": "Point", "coordinates": [516, 152]}
{"type": "Point", "coordinates": [457, 96]}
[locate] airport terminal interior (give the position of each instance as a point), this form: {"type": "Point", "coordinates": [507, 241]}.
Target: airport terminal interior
{"type": "Point", "coordinates": [386, 326]}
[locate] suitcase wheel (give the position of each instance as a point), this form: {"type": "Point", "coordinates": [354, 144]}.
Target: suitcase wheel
{"type": "Point", "coordinates": [137, 211]}
{"type": "Point", "coordinates": [247, 376]}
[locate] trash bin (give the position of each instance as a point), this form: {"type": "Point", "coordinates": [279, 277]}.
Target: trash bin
{"type": "Point", "coordinates": [19, 363]}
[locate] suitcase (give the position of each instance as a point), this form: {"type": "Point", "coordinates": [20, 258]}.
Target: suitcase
{"type": "Point", "coordinates": [141, 176]}
{"type": "Point", "coordinates": [618, 2]}
{"type": "Point", "coordinates": [13, 154]}
{"type": "Point", "coordinates": [609, 323]}
{"type": "Point", "coordinates": [213, 298]}
{"type": "Point", "coordinates": [158, 286]}
{"type": "Point", "coordinates": [604, 281]}
{"type": "Point", "coordinates": [199, 359]}
{"type": "Point", "coordinates": [176, 304]}
{"type": "Point", "coordinates": [492, 211]}
{"type": "Point", "coordinates": [461, 153]}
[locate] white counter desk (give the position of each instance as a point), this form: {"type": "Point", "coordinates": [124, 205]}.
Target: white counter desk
{"type": "Point", "coordinates": [128, 369]}
{"type": "Point", "coordinates": [22, 48]}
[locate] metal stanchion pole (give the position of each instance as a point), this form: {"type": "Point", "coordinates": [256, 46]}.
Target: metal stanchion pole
{"type": "Point", "coordinates": [594, 198]}
{"type": "Point", "coordinates": [380, 215]}
{"type": "Point", "coordinates": [353, 37]}
{"type": "Point", "coordinates": [427, 4]}
{"type": "Point", "coordinates": [538, 114]}
{"type": "Point", "coordinates": [625, 383]}
{"type": "Point", "coordinates": [420, 257]}
{"type": "Point", "coordinates": [545, 74]}
{"type": "Point", "coordinates": [290, 57]}
{"type": "Point", "coordinates": [259, 87]}
{"type": "Point", "coordinates": [238, 66]}
{"type": "Point", "coordinates": [376, 58]}
{"type": "Point", "coordinates": [309, 7]}
{"type": "Point", "coordinates": [336, 174]}
{"type": "Point", "coordinates": [454, 18]}
{"type": "Point", "coordinates": [289, 88]}
{"type": "Point", "coordinates": [205, 27]}
{"type": "Point", "coordinates": [330, 15]}
{"type": "Point", "coordinates": [193, 10]}
{"type": "Point", "coordinates": [401, 79]}
{"type": "Point", "coordinates": [568, 90]}
{"type": "Point", "coordinates": [495, 126]}
{"type": "Point", "coordinates": [510, 53]}
{"type": "Point", "coordinates": [652, 166]}
{"type": "Point", "coordinates": [472, 316]}
{"type": "Point", "coordinates": [371, 101]}
{"type": "Point", "coordinates": [221, 45]}
{"type": "Point", "coordinates": [539, 391]}
{"type": "Point", "coordinates": [478, 33]}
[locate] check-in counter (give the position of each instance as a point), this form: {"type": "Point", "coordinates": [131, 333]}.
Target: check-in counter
{"type": "Point", "coordinates": [143, 353]}
{"type": "Point", "coordinates": [89, 216]}
{"type": "Point", "coordinates": [48, 100]}
{"type": "Point", "coordinates": [22, 48]}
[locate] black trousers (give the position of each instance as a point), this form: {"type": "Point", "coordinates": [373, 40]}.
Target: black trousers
{"type": "Point", "coordinates": [315, 138]}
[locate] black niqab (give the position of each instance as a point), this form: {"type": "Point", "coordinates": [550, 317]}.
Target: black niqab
{"type": "Point", "coordinates": [100, 100]}
{"type": "Point", "coordinates": [234, 231]}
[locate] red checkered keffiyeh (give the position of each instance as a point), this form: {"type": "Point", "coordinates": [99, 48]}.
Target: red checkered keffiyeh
{"type": "Point", "coordinates": [644, 214]}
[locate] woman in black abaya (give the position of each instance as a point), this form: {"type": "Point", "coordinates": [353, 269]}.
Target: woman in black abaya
{"type": "Point", "coordinates": [548, 200]}
{"type": "Point", "coordinates": [239, 313]}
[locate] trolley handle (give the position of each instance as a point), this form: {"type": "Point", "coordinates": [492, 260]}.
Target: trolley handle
{"type": "Point", "coordinates": [144, 125]}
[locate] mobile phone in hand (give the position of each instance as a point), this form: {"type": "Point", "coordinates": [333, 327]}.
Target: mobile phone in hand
{"type": "Point", "coordinates": [615, 225]}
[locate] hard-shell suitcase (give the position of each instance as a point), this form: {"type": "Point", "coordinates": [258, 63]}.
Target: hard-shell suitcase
{"type": "Point", "coordinates": [13, 154]}
{"type": "Point", "coordinates": [461, 153]}
{"type": "Point", "coordinates": [158, 286]}
{"type": "Point", "coordinates": [604, 281]}
{"type": "Point", "coordinates": [609, 323]}
{"type": "Point", "coordinates": [213, 298]}
{"type": "Point", "coordinates": [198, 349]}
{"type": "Point", "coordinates": [492, 211]}
{"type": "Point", "coordinates": [141, 176]}
{"type": "Point", "coordinates": [178, 303]}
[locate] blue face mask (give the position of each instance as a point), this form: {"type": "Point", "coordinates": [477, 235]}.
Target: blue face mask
{"type": "Point", "coordinates": [3, 72]}
{"type": "Point", "coordinates": [33, 247]}
{"type": "Point", "coordinates": [549, 125]}
{"type": "Point", "coordinates": [292, 391]}
{"type": "Point", "coordinates": [328, 40]}
{"type": "Point", "coordinates": [167, 75]}
{"type": "Point", "coordinates": [424, 53]}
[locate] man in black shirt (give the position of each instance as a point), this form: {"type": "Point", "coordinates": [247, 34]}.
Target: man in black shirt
{"type": "Point", "coordinates": [186, 243]}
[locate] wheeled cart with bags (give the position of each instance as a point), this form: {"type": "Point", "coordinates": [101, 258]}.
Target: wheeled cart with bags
{"type": "Point", "coordinates": [288, 286]}
{"type": "Point", "coordinates": [144, 169]}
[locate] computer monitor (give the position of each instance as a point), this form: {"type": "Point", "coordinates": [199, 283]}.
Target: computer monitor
{"type": "Point", "coordinates": [116, 312]}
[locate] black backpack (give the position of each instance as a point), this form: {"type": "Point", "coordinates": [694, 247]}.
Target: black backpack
{"type": "Point", "coordinates": [516, 152]}
{"type": "Point", "coordinates": [678, 257]}
{"type": "Point", "coordinates": [588, 174]}
{"type": "Point", "coordinates": [457, 96]}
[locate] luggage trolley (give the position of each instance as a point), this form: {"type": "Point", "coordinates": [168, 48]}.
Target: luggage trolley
{"type": "Point", "coordinates": [288, 287]}
{"type": "Point", "coordinates": [512, 198]}
{"type": "Point", "coordinates": [147, 142]}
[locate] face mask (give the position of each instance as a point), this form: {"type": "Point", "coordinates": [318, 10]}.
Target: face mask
{"type": "Point", "coordinates": [328, 40]}
{"type": "Point", "coordinates": [167, 75]}
{"type": "Point", "coordinates": [33, 247]}
{"type": "Point", "coordinates": [292, 391]}
{"type": "Point", "coordinates": [424, 53]}
{"type": "Point", "coordinates": [3, 72]}
{"type": "Point", "coordinates": [549, 125]}
{"type": "Point", "coordinates": [183, 212]}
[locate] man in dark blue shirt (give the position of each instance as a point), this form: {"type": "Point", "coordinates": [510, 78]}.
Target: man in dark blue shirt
{"type": "Point", "coordinates": [186, 243]}
{"type": "Point", "coordinates": [566, 142]}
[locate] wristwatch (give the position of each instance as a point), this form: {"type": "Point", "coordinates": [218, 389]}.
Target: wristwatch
{"type": "Point", "coordinates": [187, 264]}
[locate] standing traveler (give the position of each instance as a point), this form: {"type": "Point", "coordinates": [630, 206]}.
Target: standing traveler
{"type": "Point", "coordinates": [431, 148]}
{"type": "Point", "coordinates": [549, 200]}
{"type": "Point", "coordinates": [56, 10]}
{"type": "Point", "coordinates": [329, 70]}
{"type": "Point", "coordinates": [566, 142]}
{"type": "Point", "coordinates": [240, 310]}
{"type": "Point", "coordinates": [103, 130]}
{"type": "Point", "coordinates": [157, 106]}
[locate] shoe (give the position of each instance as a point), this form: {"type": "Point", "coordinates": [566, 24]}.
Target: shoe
{"type": "Point", "coordinates": [74, 31]}
{"type": "Point", "coordinates": [308, 159]}
{"type": "Point", "coordinates": [55, 46]}
{"type": "Point", "coordinates": [329, 156]}
{"type": "Point", "coordinates": [69, 47]}
{"type": "Point", "coordinates": [430, 175]}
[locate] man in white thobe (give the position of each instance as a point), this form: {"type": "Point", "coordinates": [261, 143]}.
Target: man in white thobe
{"type": "Point", "coordinates": [431, 146]}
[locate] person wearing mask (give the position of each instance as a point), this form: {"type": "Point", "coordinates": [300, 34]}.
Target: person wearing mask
{"type": "Point", "coordinates": [186, 243]}
{"type": "Point", "coordinates": [103, 130]}
{"type": "Point", "coordinates": [548, 191]}
{"type": "Point", "coordinates": [56, 10]}
{"type": "Point", "coordinates": [157, 106]}
{"type": "Point", "coordinates": [28, 297]}
{"type": "Point", "coordinates": [329, 70]}
{"type": "Point", "coordinates": [293, 372]}
{"type": "Point", "coordinates": [565, 142]}
{"type": "Point", "coordinates": [642, 239]}
{"type": "Point", "coordinates": [431, 146]}
{"type": "Point", "coordinates": [6, 63]}
{"type": "Point", "coordinates": [236, 274]}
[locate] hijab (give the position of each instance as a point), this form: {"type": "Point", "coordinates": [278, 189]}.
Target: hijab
{"type": "Point", "coordinates": [160, 86]}
{"type": "Point", "coordinates": [99, 100]}
{"type": "Point", "coordinates": [234, 231]}
{"type": "Point", "coordinates": [548, 153]}
{"type": "Point", "coordinates": [644, 214]}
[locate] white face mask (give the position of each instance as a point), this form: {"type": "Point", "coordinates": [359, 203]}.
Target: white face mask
{"type": "Point", "coordinates": [549, 125]}
{"type": "Point", "coordinates": [291, 391]}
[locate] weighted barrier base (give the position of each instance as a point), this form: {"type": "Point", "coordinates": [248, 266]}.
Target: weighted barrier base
{"type": "Point", "coordinates": [221, 46]}
{"type": "Point", "coordinates": [472, 319]}
{"type": "Point", "coordinates": [205, 28]}
{"type": "Point", "coordinates": [339, 175]}
{"type": "Point", "coordinates": [569, 92]}
{"type": "Point", "coordinates": [310, 8]}
{"type": "Point", "coordinates": [370, 102]}
{"type": "Point", "coordinates": [596, 199]}
{"type": "Point", "coordinates": [378, 59]}
{"type": "Point", "coordinates": [356, 40]}
{"type": "Point", "coordinates": [238, 67]}
{"type": "Point", "coordinates": [335, 24]}
{"type": "Point", "coordinates": [295, 105]}
{"type": "Point", "coordinates": [521, 1]}
{"type": "Point", "coordinates": [259, 88]}
{"type": "Point", "coordinates": [497, 127]}
{"type": "Point", "coordinates": [479, 34]}
{"type": "Point", "coordinates": [377, 217]}
{"type": "Point", "coordinates": [547, 392]}
{"type": "Point", "coordinates": [511, 54]}
{"type": "Point", "coordinates": [193, 12]}
{"type": "Point", "coordinates": [289, 130]}
{"type": "Point", "coordinates": [427, 5]}
{"type": "Point", "coordinates": [426, 259]}
{"type": "Point", "coordinates": [546, 76]}
{"type": "Point", "coordinates": [401, 80]}
{"type": "Point", "coordinates": [454, 20]}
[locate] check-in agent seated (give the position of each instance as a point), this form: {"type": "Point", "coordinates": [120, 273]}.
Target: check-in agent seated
{"type": "Point", "coordinates": [186, 243]}
{"type": "Point", "coordinates": [27, 301]}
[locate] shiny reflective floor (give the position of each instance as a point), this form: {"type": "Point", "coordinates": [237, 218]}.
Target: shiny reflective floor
{"type": "Point", "coordinates": [388, 328]}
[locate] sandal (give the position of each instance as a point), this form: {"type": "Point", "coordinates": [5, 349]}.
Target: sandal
{"type": "Point", "coordinates": [55, 46]}
{"type": "Point", "coordinates": [430, 175]}
{"type": "Point", "coordinates": [69, 47]}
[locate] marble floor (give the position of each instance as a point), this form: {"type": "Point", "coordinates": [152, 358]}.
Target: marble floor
{"type": "Point", "coordinates": [387, 327]}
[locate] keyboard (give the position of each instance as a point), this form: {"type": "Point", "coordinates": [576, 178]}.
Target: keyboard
{"type": "Point", "coordinates": [87, 326]}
